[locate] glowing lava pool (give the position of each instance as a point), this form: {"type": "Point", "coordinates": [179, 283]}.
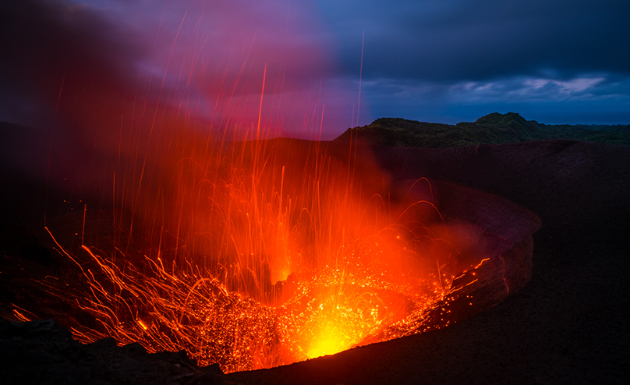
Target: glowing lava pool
{"type": "Point", "coordinates": [278, 251]}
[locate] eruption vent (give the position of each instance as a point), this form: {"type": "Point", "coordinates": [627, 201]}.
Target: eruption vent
{"type": "Point", "coordinates": [277, 251]}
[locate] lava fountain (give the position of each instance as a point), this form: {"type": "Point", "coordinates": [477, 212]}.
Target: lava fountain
{"type": "Point", "coordinates": [264, 253]}
{"type": "Point", "coordinates": [247, 251]}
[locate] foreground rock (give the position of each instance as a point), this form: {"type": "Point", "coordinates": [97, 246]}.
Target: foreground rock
{"type": "Point", "coordinates": [42, 352]}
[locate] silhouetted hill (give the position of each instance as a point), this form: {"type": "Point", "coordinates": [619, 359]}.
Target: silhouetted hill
{"type": "Point", "coordinates": [494, 128]}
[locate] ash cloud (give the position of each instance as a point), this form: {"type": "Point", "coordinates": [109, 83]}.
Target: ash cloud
{"type": "Point", "coordinates": [46, 44]}
{"type": "Point", "coordinates": [439, 61]}
{"type": "Point", "coordinates": [66, 77]}
{"type": "Point", "coordinates": [112, 79]}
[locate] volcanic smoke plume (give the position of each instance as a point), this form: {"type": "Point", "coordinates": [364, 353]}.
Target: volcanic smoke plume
{"type": "Point", "coordinates": [262, 253]}
{"type": "Point", "coordinates": [198, 231]}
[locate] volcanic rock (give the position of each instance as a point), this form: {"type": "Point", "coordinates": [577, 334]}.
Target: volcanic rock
{"type": "Point", "coordinates": [44, 352]}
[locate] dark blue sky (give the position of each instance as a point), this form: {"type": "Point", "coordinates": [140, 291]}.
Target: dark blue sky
{"type": "Point", "coordinates": [554, 61]}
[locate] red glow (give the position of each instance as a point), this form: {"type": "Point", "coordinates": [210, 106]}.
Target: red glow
{"type": "Point", "coordinates": [250, 253]}
{"type": "Point", "coordinates": [264, 253]}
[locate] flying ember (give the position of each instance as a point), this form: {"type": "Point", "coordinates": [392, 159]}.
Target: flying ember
{"type": "Point", "coordinates": [202, 230]}
{"type": "Point", "coordinates": [264, 253]}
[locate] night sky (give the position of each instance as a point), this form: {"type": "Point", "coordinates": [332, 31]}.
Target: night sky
{"type": "Point", "coordinates": [554, 61]}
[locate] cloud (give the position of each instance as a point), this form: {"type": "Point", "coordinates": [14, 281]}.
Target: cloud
{"type": "Point", "coordinates": [478, 40]}
{"type": "Point", "coordinates": [529, 89]}
{"type": "Point", "coordinates": [578, 85]}
{"type": "Point", "coordinates": [456, 60]}
{"type": "Point", "coordinates": [45, 44]}
{"type": "Point", "coordinates": [207, 60]}
{"type": "Point", "coordinates": [586, 98]}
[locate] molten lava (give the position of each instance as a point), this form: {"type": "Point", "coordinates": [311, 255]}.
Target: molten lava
{"type": "Point", "coordinates": [265, 254]}
{"type": "Point", "coordinates": [245, 253]}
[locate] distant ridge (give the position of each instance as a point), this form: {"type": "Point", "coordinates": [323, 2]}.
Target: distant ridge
{"type": "Point", "coordinates": [494, 128]}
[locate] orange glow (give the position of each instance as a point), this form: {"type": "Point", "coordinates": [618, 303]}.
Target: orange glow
{"type": "Point", "coordinates": [266, 253]}
{"type": "Point", "coordinates": [330, 341]}
{"type": "Point", "coordinates": [201, 229]}
{"type": "Point", "coordinates": [245, 251]}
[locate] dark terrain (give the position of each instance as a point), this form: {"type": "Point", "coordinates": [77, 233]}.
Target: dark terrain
{"type": "Point", "coordinates": [569, 324]}
{"type": "Point", "coordinates": [494, 128]}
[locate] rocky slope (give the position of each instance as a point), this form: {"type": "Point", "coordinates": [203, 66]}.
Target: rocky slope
{"type": "Point", "coordinates": [494, 128]}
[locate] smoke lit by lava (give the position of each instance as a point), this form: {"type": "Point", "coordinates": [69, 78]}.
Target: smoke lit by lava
{"type": "Point", "coordinates": [212, 237]}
